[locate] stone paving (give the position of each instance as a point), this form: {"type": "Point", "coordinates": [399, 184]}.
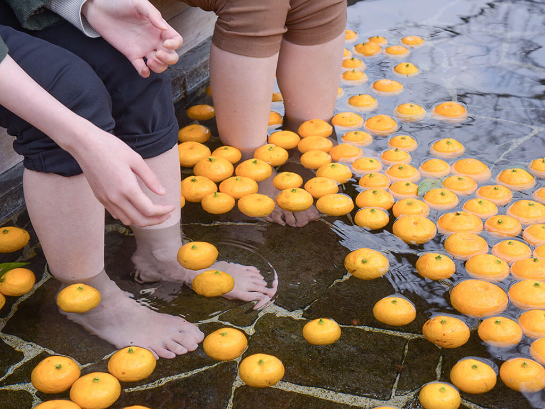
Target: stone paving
{"type": "Point", "coordinates": [488, 55]}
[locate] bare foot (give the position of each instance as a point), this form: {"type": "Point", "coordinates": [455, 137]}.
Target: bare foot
{"type": "Point", "coordinates": [283, 217]}
{"type": "Point", "coordinates": [121, 321]}
{"type": "Point", "coordinates": [153, 263]}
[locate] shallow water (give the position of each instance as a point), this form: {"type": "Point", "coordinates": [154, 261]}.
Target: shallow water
{"type": "Point", "coordinates": [488, 55]}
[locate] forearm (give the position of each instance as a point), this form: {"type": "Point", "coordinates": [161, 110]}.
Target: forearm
{"type": "Point", "coordinates": [20, 94]}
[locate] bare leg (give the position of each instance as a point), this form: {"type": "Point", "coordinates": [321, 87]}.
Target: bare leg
{"type": "Point", "coordinates": [157, 246]}
{"type": "Point", "coordinates": [242, 90]}
{"type": "Point", "coordinates": [69, 222]}
{"type": "Point", "coordinates": [308, 77]}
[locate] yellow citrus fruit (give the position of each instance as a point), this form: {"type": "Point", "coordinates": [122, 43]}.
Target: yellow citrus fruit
{"type": "Point", "coordinates": [378, 40]}
{"type": "Point", "coordinates": [194, 188]}
{"type": "Point", "coordinates": [412, 40]}
{"type": "Point", "coordinates": [414, 229]}
{"type": "Point", "coordinates": [261, 370]}
{"type": "Point", "coordinates": [78, 298]}
{"type": "Point", "coordinates": [459, 222]}
{"type": "Point", "coordinates": [366, 264]}
{"type": "Point", "coordinates": [516, 179]}
{"type": "Point", "coordinates": [230, 153]}
{"type": "Point", "coordinates": [435, 266]}
{"type": "Point", "coordinates": [406, 68]}
{"type": "Point", "coordinates": [385, 85]}
{"type": "Point", "coordinates": [58, 404]}
{"type": "Point", "coordinates": [447, 148]}
{"type": "Point", "coordinates": [366, 103]}
{"type": "Point", "coordinates": [539, 195]}
{"type": "Point", "coordinates": [439, 395]}
{"type": "Point", "coordinates": [336, 171]}
{"type": "Point", "coordinates": [314, 158]}
{"type": "Point", "coordinates": [473, 376]}
{"type": "Point", "coordinates": [539, 251]}
{"type": "Point", "coordinates": [294, 200]}
{"type": "Point", "coordinates": [350, 35]}
{"type": "Point", "coordinates": [396, 50]}
{"type": "Point", "coordinates": [487, 267]}
{"type": "Point", "coordinates": [272, 154]}
{"type": "Point", "coordinates": [96, 390]}
{"type": "Point", "coordinates": [503, 225]}
{"type": "Point", "coordinates": [534, 234]}
{"type": "Point", "coordinates": [275, 118]}
{"type": "Point", "coordinates": [363, 165]}
{"type": "Point", "coordinates": [256, 205]}
{"type": "Point", "coordinates": [497, 194]}
{"type": "Point", "coordinates": [527, 211]}
{"type": "Point", "coordinates": [214, 168]}
{"type": "Point", "coordinates": [368, 49]}
{"type": "Point", "coordinates": [371, 218]}
{"type": "Point", "coordinates": [537, 350]}
{"type": "Point", "coordinates": [523, 375]}
{"type": "Point", "coordinates": [55, 374]}
{"type": "Point", "coordinates": [345, 152]}
{"type": "Point", "coordinates": [404, 142]}
{"type": "Point", "coordinates": [528, 294]}
{"type": "Point", "coordinates": [321, 331]}
{"type": "Point", "coordinates": [478, 298]}
{"type": "Point", "coordinates": [446, 331]}
{"type": "Point", "coordinates": [192, 152]}
{"type": "Point", "coordinates": [434, 168]}
{"type": "Point", "coordinates": [277, 97]}
{"type": "Point", "coordinates": [217, 203]}
{"type": "Point", "coordinates": [395, 311]}
{"type": "Point", "coordinates": [320, 186]}
{"type": "Point", "coordinates": [407, 173]}
{"type": "Point", "coordinates": [194, 133]}
{"type": "Point", "coordinates": [404, 190]}
{"type": "Point", "coordinates": [395, 155]}
{"type": "Point", "coordinates": [238, 186]}
{"type": "Point", "coordinates": [12, 239]}
{"type": "Point", "coordinates": [201, 112]}
{"type": "Point", "coordinates": [482, 208]}
{"type": "Point", "coordinates": [255, 169]}
{"type": "Point", "coordinates": [450, 109]}
{"type": "Point", "coordinates": [354, 75]}
{"type": "Point", "coordinates": [284, 139]}
{"type": "Point", "coordinates": [533, 323]}
{"type": "Point", "coordinates": [531, 268]}
{"type": "Point", "coordinates": [462, 246]}
{"type": "Point", "coordinates": [381, 125]}
{"type": "Point", "coordinates": [287, 180]}
{"type": "Point", "coordinates": [347, 119]}
{"type": "Point", "coordinates": [441, 199]}
{"type": "Point", "coordinates": [410, 112]}
{"type": "Point", "coordinates": [225, 344]}
{"type": "Point", "coordinates": [132, 364]}
{"type": "Point", "coordinates": [500, 332]}
{"type": "Point", "coordinates": [2, 300]}
{"type": "Point", "coordinates": [351, 63]}
{"type": "Point", "coordinates": [375, 198]}
{"type": "Point", "coordinates": [461, 185]}
{"type": "Point", "coordinates": [410, 206]}
{"type": "Point", "coordinates": [336, 204]}
{"type": "Point", "coordinates": [213, 283]}
{"type": "Point", "coordinates": [374, 180]}
{"type": "Point", "coordinates": [313, 142]}
{"type": "Point", "coordinates": [17, 282]}
{"type": "Point", "coordinates": [511, 250]}
{"type": "Point", "coordinates": [197, 255]}
{"type": "Point", "coordinates": [315, 127]}
{"type": "Point", "coordinates": [473, 168]}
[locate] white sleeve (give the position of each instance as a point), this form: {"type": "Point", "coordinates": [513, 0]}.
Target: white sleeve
{"type": "Point", "coordinates": [70, 10]}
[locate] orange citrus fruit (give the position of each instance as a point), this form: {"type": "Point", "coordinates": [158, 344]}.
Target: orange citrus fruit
{"type": "Point", "coordinates": [404, 142]}
{"type": "Point", "coordinates": [365, 165]}
{"type": "Point", "coordinates": [461, 185]}
{"type": "Point", "coordinates": [255, 169]}
{"type": "Point", "coordinates": [357, 137]}
{"type": "Point", "coordinates": [132, 364]}
{"type": "Point", "coordinates": [311, 143]}
{"type": "Point", "coordinates": [446, 331]}
{"type": "Point", "coordinates": [534, 234]}
{"type": "Point", "coordinates": [537, 350]}
{"type": "Point", "coordinates": [96, 390]}
{"type": "Point", "coordinates": [194, 188]}
{"type": "Point", "coordinates": [225, 344]}
{"type": "Point", "coordinates": [435, 266]}
{"type": "Point", "coordinates": [12, 239]}
{"type": "Point", "coordinates": [212, 283]}
{"type": "Point", "coordinates": [366, 264]}
{"type": "Point", "coordinates": [192, 152]}
{"type": "Point", "coordinates": [197, 255]}
{"type": "Point", "coordinates": [459, 222]}
{"type": "Point", "coordinates": [482, 208]}
{"type": "Point", "coordinates": [533, 323]}
{"type": "Point", "coordinates": [528, 294]}
{"type": "Point", "coordinates": [407, 173]}
{"type": "Point", "coordinates": [364, 102]}
{"type": "Point", "coordinates": [394, 156]}
{"type": "Point", "coordinates": [410, 206]}
{"type": "Point", "coordinates": [539, 251]}
{"type": "Point", "coordinates": [478, 298]}
{"type": "Point", "coordinates": [284, 139]}
{"type": "Point", "coordinates": [17, 282]}
{"type": "Point", "coordinates": [287, 180]}
{"type": "Point", "coordinates": [194, 133]}
{"type": "Point", "coordinates": [336, 204]}
{"type": "Point", "coordinates": [294, 200]}
{"type": "Point", "coordinates": [378, 40]}
{"type": "Point", "coordinates": [261, 370]}
{"type": "Point", "coordinates": [473, 376]}
{"type": "Point", "coordinates": [450, 109]}
{"type": "Point", "coordinates": [396, 51]}
{"type": "Point", "coordinates": [447, 148]}
{"type": "Point", "coordinates": [55, 374]}
{"type": "Point", "coordinates": [238, 186]}
{"type": "Point", "coordinates": [473, 168]}
{"type": "Point", "coordinates": [487, 267]}
{"type": "Point", "coordinates": [314, 158]}
{"type": "Point", "coordinates": [368, 49]}
{"type": "Point", "coordinates": [272, 154]}
{"type": "Point", "coordinates": [217, 203]}
{"type": "Point", "coordinates": [315, 127]}
{"type": "Point", "coordinates": [201, 112]}
{"type": "Point", "coordinates": [511, 250]}
{"type": "Point", "coordinates": [230, 153]}
{"type": "Point", "coordinates": [256, 205]}
{"type": "Point", "coordinates": [497, 194]}
{"type": "Point", "coordinates": [387, 86]}
{"type": "Point", "coordinates": [214, 168]}
{"type": "Point", "coordinates": [395, 311]}
{"type": "Point", "coordinates": [462, 246]}
{"type": "Point", "coordinates": [412, 40]}
{"type": "Point", "coordinates": [275, 119]}
{"type": "Point", "coordinates": [277, 97]}
{"type": "Point", "coordinates": [404, 190]}
{"type": "Point", "coordinates": [516, 179]}
{"type": "Point", "coordinates": [347, 120]}
{"type": "Point", "coordinates": [441, 199]}
{"type": "Point", "coordinates": [320, 186]}
{"type": "Point", "coordinates": [374, 180]}
{"type": "Point", "coordinates": [371, 218]}
{"type": "Point", "coordinates": [500, 332]}
{"type": "Point", "coordinates": [375, 198]}
{"type": "Point", "coordinates": [78, 298]}
{"type": "Point", "coordinates": [336, 171]}
{"type": "Point", "coordinates": [406, 69]}
{"type": "Point", "coordinates": [410, 112]}
{"type": "Point", "coordinates": [414, 229]}
{"type": "Point", "coordinates": [58, 404]}
{"type": "Point", "coordinates": [439, 395]}
{"type": "Point", "coordinates": [321, 331]}
{"type": "Point", "coordinates": [434, 168]}
{"type": "Point", "coordinates": [523, 375]}
{"type": "Point", "coordinates": [381, 125]}
{"type": "Point", "coordinates": [503, 225]}
{"type": "Point", "coordinates": [2, 300]}
{"type": "Point", "coordinates": [345, 152]}
{"type": "Point", "coordinates": [531, 268]}
{"type": "Point", "coordinates": [527, 211]}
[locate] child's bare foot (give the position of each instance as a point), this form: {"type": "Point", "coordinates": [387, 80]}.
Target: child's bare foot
{"type": "Point", "coordinates": [283, 217]}
{"type": "Point", "coordinates": [155, 260]}
{"type": "Point", "coordinates": [121, 321]}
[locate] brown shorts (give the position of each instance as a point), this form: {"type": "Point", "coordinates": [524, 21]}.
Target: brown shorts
{"type": "Point", "coordinates": [255, 28]}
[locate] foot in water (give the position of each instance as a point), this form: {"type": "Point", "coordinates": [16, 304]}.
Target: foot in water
{"type": "Point", "coordinates": [155, 260]}
{"type": "Point", "coordinates": [122, 321]}
{"type": "Point", "coordinates": [283, 217]}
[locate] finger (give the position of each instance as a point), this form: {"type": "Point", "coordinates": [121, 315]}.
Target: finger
{"type": "Point", "coordinates": [172, 39]}
{"type": "Point", "coordinates": [141, 67]}
{"type": "Point", "coordinates": [154, 16]}
{"type": "Point", "coordinates": [263, 302]}
{"type": "Point", "coordinates": [144, 172]}
{"type": "Point", "coordinates": [168, 57]}
{"type": "Point", "coordinates": [157, 66]}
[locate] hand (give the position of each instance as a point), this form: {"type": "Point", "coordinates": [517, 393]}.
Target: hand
{"type": "Point", "coordinates": [137, 30]}
{"type": "Point", "coordinates": [111, 168]}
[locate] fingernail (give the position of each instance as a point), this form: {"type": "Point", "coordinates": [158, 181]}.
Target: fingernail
{"type": "Point", "coordinates": [162, 190]}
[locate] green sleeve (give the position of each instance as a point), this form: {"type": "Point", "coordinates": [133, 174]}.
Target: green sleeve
{"type": "Point", "coordinates": [32, 14]}
{"type": "Point", "coordinates": [3, 50]}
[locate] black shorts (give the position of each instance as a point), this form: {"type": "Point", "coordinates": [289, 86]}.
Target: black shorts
{"type": "Point", "coordinates": [95, 81]}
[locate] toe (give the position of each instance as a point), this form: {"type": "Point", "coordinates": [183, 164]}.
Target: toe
{"type": "Point", "coordinates": [290, 219]}
{"type": "Point", "coordinates": [176, 348]}
{"type": "Point", "coordinates": [277, 217]}
{"type": "Point", "coordinates": [164, 353]}
{"type": "Point", "coordinates": [262, 302]}
{"type": "Point", "coordinates": [189, 343]}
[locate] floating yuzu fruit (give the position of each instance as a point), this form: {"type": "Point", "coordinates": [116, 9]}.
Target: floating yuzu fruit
{"type": "Point", "coordinates": [336, 171]}
{"type": "Point", "coordinates": [55, 374]}
{"type": "Point", "coordinates": [275, 119]}
{"type": "Point", "coordinates": [410, 206]}
{"type": "Point", "coordinates": [534, 234]}
{"type": "Point", "coordinates": [487, 267]}
{"type": "Point", "coordinates": [314, 158]}
{"type": "Point", "coordinates": [441, 199]}
{"type": "Point", "coordinates": [366, 264]}
{"type": "Point", "coordinates": [277, 97]}
{"type": "Point", "coordinates": [371, 218]}
{"type": "Point", "coordinates": [336, 204]}
{"type": "Point", "coordinates": [473, 168]}
{"type": "Point", "coordinates": [287, 180]}
{"type": "Point", "coordinates": [350, 36]}
{"type": "Point", "coordinates": [434, 168]}
{"type": "Point", "coordinates": [217, 203]}
{"type": "Point", "coordinates": [345, 152]}
{"type": "Point", "coordinates": [447, 148]}
{"type": "Point", "coordinates": [403, 142]}
{"type": "Point", "coordinates": [225, 344]}
{"type": "Point", "coordinates": [406, 69]}
{"type": "Point", "coordinates": [214, 168]}
{"type": "Point", "coordinates": [527, 211]}
{"type": "Point", "coordinates": [414, 229]}
{"type": "Point", "coordinates": [410, 112]}
{"type": "Point", "coordinates": [321, 186]}
{"type": "Point", "coordinates": [459, 222]}
{"type": "Point", "coordinates": [511, 250]}
{"type": "Point", "coordinates": [378, 40]}
{"type": "Point", "coordinates": [353, 63]}
{"type": "Point", "coordinates": [195, 133]}
{"type": "Point", "coordinates": [375, 198]}
{"type": "Point", "coordinates": [387, 87]}
{"type": "Point", "coordinates": [272, 154]}
{"type": "Point", "coordinates": [347, 120]}
{"type": "Point", "coordinates": [256, 205]}
{"type": "Point", "coordinates": [516, 179]}
{"type": "Point", "coordinates": [478, 298]}
{"type": "Point", "coordinates": [381, 125]}
{"type": "Point", "coordinates": [192, 152]}
{"type": "Point", "coordinates": [201, 112]}
{"type": "Point", "coordinates": [194, 188]}
{"type": "Point", "coordinates": [537, 350]}
{"type": "Point", "coordinates": [238, 186]}
{"type": "Point", "coordinates": [230, 153]}
{"type": "Point", "coordinates": [435, 266]}
{"type": "Point", "coordinates": [473, 376]}
{"type": "Point", "coordinates": [413, 41]}
{"type": "Point", "coordinates": [528, 294]}
{"type": "Point", "coordinates": [132, 364]}
{"type": "Point", "coordinates": [97, 390]}
{"type": "Point", "coordinates": [314, 143]}
{"type": "Point", "coordinates": [368, 49]}
{"type": "Point", "coordinates": [284, 139]}
{"type": "Point", "coordinates": [537, 168]}
{"type": "Point", "coordinates": [374, 180]}
{"type": "Point", "coordinates": [17, 282]}
{"type": "Point", "coordinates": [261, 370]}
{"type": "Point", "coordinates": [532, 268]}
{"type": "Point", "coordinates": [497, 194]}
{"type": "Point", "coordinates": [12, 239]}
{"type": "Point", "coordinates": [364, 102]}
{"type": "Point", "coordinates": [255, 169]}
{"type": "Point", "coordinates": [446, 331]}
{"type": "Point", "coordinates": [366, 165]}
{"type": "Point", "coordinates": [404, 190]}
{"type": "Point", "coordinates": [294, 200]}
{"type": "Point", "coordinates": [354, 77]}
{"type": "Point", "coordinates": [450, 111]}
{"type": "Point", "coordinates": [403, 172]}
{"type": "Point", "coordinates": [395, 311]}
{"type": "Point", "coordinates": [501, 332]}
{"type": "Point", "coordinates": [359, 138]}
{"type": "Point", "coordinates": [315, 127]}
{"type": "Point", "coordinates": [533, 323]}
{"type": "Point", "coordinates": [523, 375]}
{"type": "Point", "coordinates": [439, 395]}
{"type": "Point", "coordinates": [461, 185]}
{"type": "Point", "coordinates": [213, 283]}
{"type": "Point", "coordinates": [482, 208]}
{"type": "Point", "coordinates": [78, 298]}
{"type": "Point", "coordinates": [197, 255]}
{"type": "Point", "coordinates": [395, 156]}
{"type": "Point", "coordinates": [462, 246]}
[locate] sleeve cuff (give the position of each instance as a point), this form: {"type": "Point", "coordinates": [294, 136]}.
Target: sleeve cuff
{"type": "Point", "coordinates": [70, 10]}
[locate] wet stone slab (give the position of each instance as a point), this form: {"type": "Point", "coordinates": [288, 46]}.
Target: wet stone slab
{"type": "Point", "coordinates": [359, 363]}
{"type": "Point", "coordinates": [9, 357]}
{"type": "Point", "coordinates": [418, 367]}
{"type": "Point", "coordinates": [15, 399]}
